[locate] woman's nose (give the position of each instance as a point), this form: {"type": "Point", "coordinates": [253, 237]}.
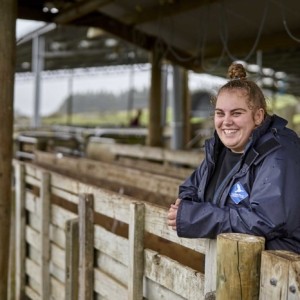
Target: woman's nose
{"type": "Point", "coordinates": [227, 119]}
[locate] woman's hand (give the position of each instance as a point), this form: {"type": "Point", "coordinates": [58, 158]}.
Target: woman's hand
{"type": "Point", "coordinates": [172, 214]}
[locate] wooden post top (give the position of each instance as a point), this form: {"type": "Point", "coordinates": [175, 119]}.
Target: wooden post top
{"type": "Point", "coordinates": [242, 237]}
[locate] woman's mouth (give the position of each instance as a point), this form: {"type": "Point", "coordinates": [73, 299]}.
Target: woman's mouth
{"type": "Point", "coordinates": [229, 131]}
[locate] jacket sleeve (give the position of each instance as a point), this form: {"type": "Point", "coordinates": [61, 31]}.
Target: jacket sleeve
{"type": "Point", "coordinates": [188, 190]}
{"type": "Point", "coordinates": [273, 199]}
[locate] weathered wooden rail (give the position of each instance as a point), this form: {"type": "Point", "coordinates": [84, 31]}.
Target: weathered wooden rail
{"type": "Point", "coordinates": [155, 188]}
{"type": "Point", "coordinates": [114, 259]}
{"type": "Point", "coordinates": [173, 163]}
{"type": "Point", "coordinates": [177, 164]}
{"type": "Point", "coordinates": [26, 143]}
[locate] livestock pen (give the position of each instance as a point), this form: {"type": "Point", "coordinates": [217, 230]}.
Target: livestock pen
{"type": "Point", "coordinates": [66, 230]}
{"type": "Point", "coordinates": [79, 237]}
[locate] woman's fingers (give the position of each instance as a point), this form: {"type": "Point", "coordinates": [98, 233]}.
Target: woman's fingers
{"type": "Point", "coordinates": [172, 214]}
{"type": "Point", "coordinates": [171, 217]}
{"type": "Point", "coordinates": [176, 203]}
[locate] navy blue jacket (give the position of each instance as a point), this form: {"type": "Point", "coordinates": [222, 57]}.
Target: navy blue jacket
{"type": "Point", "coordinates": [266, 182]}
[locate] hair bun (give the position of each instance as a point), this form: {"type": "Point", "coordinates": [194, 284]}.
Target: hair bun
{"type": "Point", "coordinates": [237, 71]}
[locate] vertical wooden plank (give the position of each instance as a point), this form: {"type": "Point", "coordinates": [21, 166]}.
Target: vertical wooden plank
{"type": "Point", "coordinates": [279, 275]}
{"type": "Point", "coordinates": [12, 261]}
{"type": "Point", "coordinates": [44, 232]}
{"type": "Point", "coordinates": [238, 266]}
{"type": "Point", "coordinates": [20, 230]}
{"type": "Point", "coordinates": [86, 247]}
{"type": "Point", "coordinates": [210, 269]}
{"type": "Point", "coordinates": [72, 259]}
{"type": "Point", "coordinates": [136, 251]}
{"type": "Point", "coordinates": [8, 9]}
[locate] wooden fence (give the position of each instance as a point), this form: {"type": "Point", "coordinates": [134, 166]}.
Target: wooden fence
{"type": "Point", "coordinates": [78, 241]}
{"type": "Point", "coordinates": [114, 258]}
{"type": "Point", "coordinates": [173, 163]}
{"type": "Point", "coordinates": [178, 164]}
{"type": "Point", "coordinates": [26, 143]}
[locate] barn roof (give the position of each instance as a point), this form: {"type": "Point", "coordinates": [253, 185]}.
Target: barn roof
{"type": "Point", "coordinates": [200, 35]}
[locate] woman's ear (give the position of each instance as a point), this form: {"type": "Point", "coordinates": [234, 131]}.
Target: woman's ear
{"type": "Point", "coordinates": [259, 116]}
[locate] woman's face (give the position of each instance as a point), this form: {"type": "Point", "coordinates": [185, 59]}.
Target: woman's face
{"type": "Point", "coordinates": [234, 120]}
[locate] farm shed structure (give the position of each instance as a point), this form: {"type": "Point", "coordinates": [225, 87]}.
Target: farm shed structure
{"type": "Point", "coordinates": [204, 36]}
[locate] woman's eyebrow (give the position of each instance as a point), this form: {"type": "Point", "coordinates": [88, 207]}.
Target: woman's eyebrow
{"type": "Point", "coordinates": [232, 110]}
{"type": "Point", "coordinates": [242, 109]}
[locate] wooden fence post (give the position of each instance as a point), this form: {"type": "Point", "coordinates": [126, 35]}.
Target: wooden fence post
{"type": "Point", "coordinates": [44, 233]}
{"type": "Point", "coordinates": [20, 231]}
{"type": "Point", "coordinates": [136, 251]}
{"type": "Point", "coordinates": [238, 266]}
{"type": "Point", "coordinates": [86, 247]}
{"type": "Point", "coordinates": [280, 275]}
{"type": "Point", "coordinates": [210, 269]}
{"type": "Point", "coordinates": [72, 259]}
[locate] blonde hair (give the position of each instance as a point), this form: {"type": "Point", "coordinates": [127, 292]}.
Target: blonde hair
{"type": "Point", "coordinates": [238, 81]}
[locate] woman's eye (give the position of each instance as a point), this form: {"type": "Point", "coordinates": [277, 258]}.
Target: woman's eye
{"type": "Point", "coordinates": [236, 114]}
{"type": "Point", "coordinates": [219, 114]}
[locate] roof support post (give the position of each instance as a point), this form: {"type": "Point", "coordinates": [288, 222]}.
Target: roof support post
{"type": "Point", "coordinates": [38, 49]}
{"type": "Point", "coordinates": [165, 94]}
{"type": "Point", "coordinates": [186, 99]}
{"type": "Point", "coordinates": [70, 99]}
{"type": "Point", "coordinates": [8, 13]}
{"type": "Point", "coordinates": [177, 113]}
{"type": "Point", "coordinates": [180, 109]}
{"type": "Point", "coordinates": [155, 137]}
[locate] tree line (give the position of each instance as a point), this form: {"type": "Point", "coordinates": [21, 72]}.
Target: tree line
{"type": "Point", "coordinates": [105, 101]}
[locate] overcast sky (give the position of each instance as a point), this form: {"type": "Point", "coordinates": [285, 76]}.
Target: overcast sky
{"type": "Point", "coordinates": [55, 89]}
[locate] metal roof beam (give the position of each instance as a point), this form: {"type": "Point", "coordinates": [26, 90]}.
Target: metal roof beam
{"type": "Point", "coordinates": [77, 53]}
{"type": "Point", "coordinates": [80, 10]}
{"type": "Point", "coordinates": [139, 38]}
{"type": "Point", "coordinates": [163, 10]}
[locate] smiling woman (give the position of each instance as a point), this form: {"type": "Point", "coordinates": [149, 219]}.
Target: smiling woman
{"type": "Point", "coordinates": [247, 182]}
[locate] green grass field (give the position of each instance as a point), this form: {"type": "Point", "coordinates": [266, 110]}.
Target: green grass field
{"type": "Point", "coordinates": [121, 118]}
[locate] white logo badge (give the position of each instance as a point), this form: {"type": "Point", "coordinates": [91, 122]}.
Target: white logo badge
{"type": "Point", "coordinates": [237, 193]}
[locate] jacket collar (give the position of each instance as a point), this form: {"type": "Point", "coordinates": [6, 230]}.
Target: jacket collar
{"type": "Point", "coordinates": [271, 123]}
{"type": "Point", "coordinates": [264, 143]}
